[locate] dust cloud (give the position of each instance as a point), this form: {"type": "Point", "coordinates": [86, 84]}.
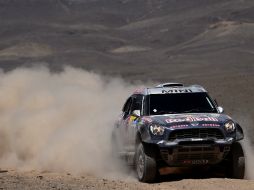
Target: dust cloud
{"type": "Point", "coordinates": [59, 121]}
{"type": "Point", "coordinates": [247, 124]}
{"type": "Point", "coordinates": [249, 155]}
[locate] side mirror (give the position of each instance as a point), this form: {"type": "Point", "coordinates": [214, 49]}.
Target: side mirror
{"type": "Point", "coordinates": [136, 113]}
{"type": "Point", "coordinates": [220, 109]}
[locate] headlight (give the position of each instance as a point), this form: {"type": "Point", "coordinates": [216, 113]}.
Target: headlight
{"type": "Point", "coordinates": [157, 129]}
{"type": "Point", "coordinates": [229, 126]}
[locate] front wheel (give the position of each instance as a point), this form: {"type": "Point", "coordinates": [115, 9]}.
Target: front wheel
{"type": "Point", "coordinates": [145, 165]}
{"type": "Point", "coordinates": [236, 166]}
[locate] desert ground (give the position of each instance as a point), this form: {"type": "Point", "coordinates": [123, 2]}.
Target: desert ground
{"type": "Point", "coordinates": [35, 180]}
{"type": "Point", "coordinates": [206, 42]}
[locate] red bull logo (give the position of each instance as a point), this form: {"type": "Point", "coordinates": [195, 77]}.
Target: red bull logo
{"type": "Point", "coordinates": [191, 119]}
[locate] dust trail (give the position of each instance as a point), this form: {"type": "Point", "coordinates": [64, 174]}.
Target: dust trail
{"type": "Point", "coordinates": [247, 124]}
{"type": "Point", "coordinates": [58, 122]}
{"type": "Point", "coordinates": [249, 155]}
{"type": "Point", "coordinates": [248, 148]}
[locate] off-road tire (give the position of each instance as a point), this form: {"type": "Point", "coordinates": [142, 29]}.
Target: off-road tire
{"type": "Point", "coordinates": [236, 162]}
{"type": "Point", "coordinates": [145, 165]}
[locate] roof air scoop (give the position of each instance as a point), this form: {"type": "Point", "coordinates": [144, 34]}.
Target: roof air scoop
{"type": "Point", "coordinates": [169, 85]}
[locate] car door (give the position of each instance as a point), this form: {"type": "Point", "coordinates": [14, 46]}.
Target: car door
{"type": "Point", "coordinates": [122, 123]}
{"type": "Point", "coordinates": [132, 121]}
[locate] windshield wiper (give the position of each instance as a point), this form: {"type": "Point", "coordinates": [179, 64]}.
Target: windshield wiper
{"type": "Point", "coordinates": [165, 112]}
{"type": "Point", "coordinates": [199, 110]}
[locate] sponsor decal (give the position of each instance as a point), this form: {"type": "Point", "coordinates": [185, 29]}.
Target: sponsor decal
{"type": "Point", "coordinates": [178, 126]}
{"type": "Point", "coordinates": [147, 119]}
{"type": "Point", "coordinates": [195, 124]}
{"type": "Point", "coordinates": [191, 119]}
{"type": "Point", "coordinates": [176, 91]}
{"type": "Point", "coordinates": [210, 125]}
{"type": "Point", "coordinates": [196, 162]}
{"type": "Point", "coordinates": [132, 119]}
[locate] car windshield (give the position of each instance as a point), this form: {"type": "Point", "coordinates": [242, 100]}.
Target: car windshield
{"type": "Point", "coordinates": [180, 103]}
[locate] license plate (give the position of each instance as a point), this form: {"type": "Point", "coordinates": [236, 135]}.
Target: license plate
{"type": "Point", "coordinates": [196, 162]}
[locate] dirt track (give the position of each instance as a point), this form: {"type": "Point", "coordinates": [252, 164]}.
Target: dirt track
{"type": "Point", "coordinates": [65, 181]}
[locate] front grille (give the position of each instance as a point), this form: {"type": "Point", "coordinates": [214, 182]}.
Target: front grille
{"type": "Point", "coordinates": [192, 155]}
{"type": "Point", "coordinates": [196, 133]}
{"type": "Point", "coordinates": [198, 156]}
{"type": "Point", "coordinates": [196, 149]}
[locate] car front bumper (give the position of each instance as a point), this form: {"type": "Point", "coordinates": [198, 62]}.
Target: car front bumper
{"type": "Point", "coordinates": [194, 151]}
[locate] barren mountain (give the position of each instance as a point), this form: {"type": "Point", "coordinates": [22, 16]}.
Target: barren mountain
{"type": "Point", "coordinates": [128, 37]}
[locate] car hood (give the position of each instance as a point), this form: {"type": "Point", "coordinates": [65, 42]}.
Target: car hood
{"type": "Point", "coordinates": [189, 120]}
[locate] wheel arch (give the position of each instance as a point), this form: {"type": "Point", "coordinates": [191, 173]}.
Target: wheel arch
{"type": "Point", "coordinates": [149, 148]}
{"type": "Point", "coordinates": [239, 132]}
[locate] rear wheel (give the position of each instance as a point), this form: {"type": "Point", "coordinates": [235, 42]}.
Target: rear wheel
{"type": "Point", "coordinates": [145, 165]}
{"type": "Point", "coordinates": [236, 164]}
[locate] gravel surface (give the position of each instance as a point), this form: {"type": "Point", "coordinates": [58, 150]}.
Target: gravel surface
{"type": "Point", "coordinates": [12, 179]}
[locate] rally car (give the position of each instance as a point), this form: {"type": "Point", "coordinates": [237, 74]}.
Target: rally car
{"type": "Point", "coordinates": [172, 125]}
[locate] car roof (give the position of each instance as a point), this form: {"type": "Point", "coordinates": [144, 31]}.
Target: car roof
{"type": "Point", "coordinates": [170, 88]}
